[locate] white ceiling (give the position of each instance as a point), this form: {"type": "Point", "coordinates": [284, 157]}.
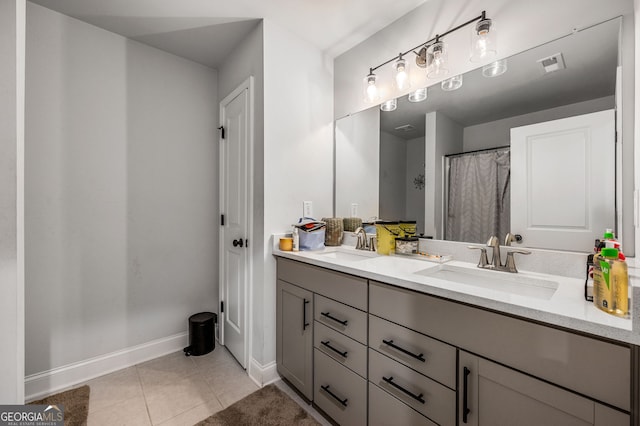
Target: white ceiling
{"type": "Point", "coordinates": [206, 31]}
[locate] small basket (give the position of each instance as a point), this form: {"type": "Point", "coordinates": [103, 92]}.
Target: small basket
{"type": "Point", "coordinates": [333, 236]}
{"type": "Point", "coordinates": [311, 240]}
{"type": "Point", "coordinates": [350, 224]}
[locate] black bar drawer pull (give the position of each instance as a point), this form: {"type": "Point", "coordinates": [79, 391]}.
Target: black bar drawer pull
{"type": "Point", "coordinates": [327, 344]}
{"type": "Point", "coordinates": [305, 324]}
{"type": "Point", "coordinates": [400, 388]}
{"type": "Point", "coordinates": [341, 401]}
{"type": "Point", "coordinates": [465, 396]}
{"type": "Point", "coordinates": [328, 315]}
{"type": "Point", "coordinates": [419, 357]}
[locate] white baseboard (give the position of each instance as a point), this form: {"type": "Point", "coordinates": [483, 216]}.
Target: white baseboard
{"type": "Point", "coordinates": [43, 384]}
{"type": "Point", "coordinates": [262, 374]}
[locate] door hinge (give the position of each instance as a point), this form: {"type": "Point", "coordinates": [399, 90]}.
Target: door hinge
{"type": "Point", "coordinates": [221, 220]}
{"type": "Point", "coordinates": [246, 243]}
{"type": "Point", "coordinates": [221, 306]}
{"type": "Point", "coordinates": [221, 128]}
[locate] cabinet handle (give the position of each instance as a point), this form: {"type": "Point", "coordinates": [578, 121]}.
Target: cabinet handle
{"type": "Point", "coordinates": [341, 401]}
{"type": "Point", "coordinates": [465, 396]}
{"type": "Point", "coordinates": [397, 386]}
{"type": "Point", "coordinates": [419, 357]}
{"type": "Point", "coordinates": [305, 324]}
{"type": "Point", "coordinates": [328, 315]}
{"type": "Point", "coordinates": [344, 354]}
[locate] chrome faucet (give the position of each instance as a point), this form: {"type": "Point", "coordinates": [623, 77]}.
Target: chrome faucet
{"type": "Point", "coordinates": [496, 264]}
{"type": "Point", "coordinates": [361, 243]}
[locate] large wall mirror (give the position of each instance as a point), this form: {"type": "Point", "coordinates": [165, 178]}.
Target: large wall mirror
{"type": "Point", "coordinates": [531, 151]}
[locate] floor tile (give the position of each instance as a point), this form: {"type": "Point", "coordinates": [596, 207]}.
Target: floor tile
{"type": "Point", "coordinates": [194, 415]}
{"type": "Point", "coordinates": [233, 389]}
{"type": "Point", "coordinates": [114, 388]}
{"type": "Point", "coordinates": [132, 412]}
{"type": "Point", "coordinates": [166, 369]}
{"type": "Point", "coordinates": [167, 400]}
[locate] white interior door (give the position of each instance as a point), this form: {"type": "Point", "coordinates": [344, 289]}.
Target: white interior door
{"type": "Point", "coordinates": [557, 201]}
{"type": "Point", "coordinates": [235, 207]}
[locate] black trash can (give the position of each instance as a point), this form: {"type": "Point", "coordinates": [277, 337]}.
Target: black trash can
{"type": "Point", "coordinates": [201, 333]}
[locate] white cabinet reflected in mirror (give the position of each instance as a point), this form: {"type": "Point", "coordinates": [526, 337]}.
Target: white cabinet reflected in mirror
{"type": "Point", "coordinates": [449, 161]}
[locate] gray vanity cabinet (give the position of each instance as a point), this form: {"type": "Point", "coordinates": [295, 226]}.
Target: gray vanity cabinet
{"type": "Point", "coordinates": [294, 337]}
{"type": "Point", "coordinates": [493, 395]}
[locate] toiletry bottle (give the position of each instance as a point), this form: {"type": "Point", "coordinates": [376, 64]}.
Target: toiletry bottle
{"type": "Point", "coordinates": [610, 283]}
{"type": "Point", "coordinates": [296, 239]}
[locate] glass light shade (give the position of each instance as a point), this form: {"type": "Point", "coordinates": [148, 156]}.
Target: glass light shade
{"type": "Point", "coordinates": [389, 105]}
{"type": "Point", "coordinates": [418, 95]}
{"type": "Point", "coordinates": [370, 89]}
{"type": "Point", "coordinates": [437, 64]}
{"type": "Point", "coordinates": [483, 41]}
{"type": "Point", "coordinates": [453, 83]}
{"type": "Point", "coordinates": [495, 69]}
{"type": "Point", "coordinates": [401, 79]}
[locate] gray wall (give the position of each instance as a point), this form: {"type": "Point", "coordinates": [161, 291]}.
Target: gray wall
{"type": "Point", "coordinates": [393, 177]}
{"type": "Point", "coordinates": [121, 192]}
{"type": "Point", "coordinates": [415, 196]}
{"type": "Point", "coordinates": [11, 286]}
{"type": "Point", "coordinates": [498, 133]}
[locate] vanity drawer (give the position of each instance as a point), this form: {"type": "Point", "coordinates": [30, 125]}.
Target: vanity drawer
{"type": "Point", "coordinates": [556, 355]}
{"type": "Point", "coordinates": [436, 359]}
{"type": "Point", "coordinates": [340, 317]}
{"type": "Point", "coordinates": [430, 398]}
{"type": "Point", "coordinates": [341, 348]}
{"type": "Point", "coordinates": [385, 410]}
{"type": "Point", "coordinates": [339, 392]}
{"type": "Point", "coordinates": [347, 288]}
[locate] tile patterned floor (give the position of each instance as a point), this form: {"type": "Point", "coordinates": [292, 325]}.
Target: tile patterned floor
{"type": "Point", "coordinates": [174, 390]}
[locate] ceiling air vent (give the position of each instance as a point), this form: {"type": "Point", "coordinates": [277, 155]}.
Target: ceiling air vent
{"type": "Point", "coordinates": [552, 63]}
{"type": "Point", "coordinates": [405, 128]}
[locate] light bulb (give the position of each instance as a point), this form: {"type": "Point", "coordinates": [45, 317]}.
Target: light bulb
{"type": "Point", "coordinates": [437, 57]}
{"type": "Point", "coordinates": [371, 92]}
{"type": "Point", "coordinates": [402, 80]}
{"type": "Point", "coordinates": [483, 41]}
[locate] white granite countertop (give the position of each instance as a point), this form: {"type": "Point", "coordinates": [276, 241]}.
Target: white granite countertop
{"type": "Point", "coordinates": [564, 307]}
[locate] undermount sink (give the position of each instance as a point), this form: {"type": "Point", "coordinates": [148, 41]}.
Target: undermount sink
{"type": "Point", "coordinates": [351, 255]}
{"type": "Point", "coordinates": [494, 280]}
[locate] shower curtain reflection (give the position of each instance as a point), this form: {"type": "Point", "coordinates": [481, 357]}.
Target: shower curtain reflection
{"type": "Point", "coordinates": [479, 198]}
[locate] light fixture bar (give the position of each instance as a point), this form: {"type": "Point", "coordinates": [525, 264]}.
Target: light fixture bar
{"type": "Point", "coordinates": [431, 41]}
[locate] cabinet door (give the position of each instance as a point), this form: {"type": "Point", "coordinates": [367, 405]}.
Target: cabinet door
{"type": "Point", "coordinates": [493, 395]}
{"type": "Point", "coordinates": [294, 339]}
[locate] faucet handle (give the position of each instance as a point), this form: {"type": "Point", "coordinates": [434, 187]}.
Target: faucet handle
{"type": "Point", "coordinates": [373, 246]}
{"type": "Point", "coordinates": [484, 261]}
{"type": "Point", "coordinates": [510, 263]}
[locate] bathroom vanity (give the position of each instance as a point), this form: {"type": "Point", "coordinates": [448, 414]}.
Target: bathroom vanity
{"type": "Point", "coordinates": [376, 340]}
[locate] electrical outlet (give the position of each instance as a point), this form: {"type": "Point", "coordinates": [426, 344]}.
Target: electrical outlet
{"type": "Point", "coordinates": [354, 209]}
{"type": "Point", "coordinates": [307, 209]}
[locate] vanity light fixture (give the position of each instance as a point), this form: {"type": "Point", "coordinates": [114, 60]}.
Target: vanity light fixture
{"type": "Point", "coordinates": [418, 95]}
{"type": "Point", "coordinates": [483, 40]}
{"type": "Point", "coordinates": [401, 77]}
{"type": "Point", "coordinates": [371, 92]}
{"type": "Point", "coordinates": [495, 69]}
{"type": "Point", "coordinates": [453, 83]}
{"type": "Point", "coordinates": [389, 105]}
{"type": "Point", "coordinates": [433, 55]}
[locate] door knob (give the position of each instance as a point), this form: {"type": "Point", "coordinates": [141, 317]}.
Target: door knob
{"type": "Point", "coordinates": [237, 243]}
